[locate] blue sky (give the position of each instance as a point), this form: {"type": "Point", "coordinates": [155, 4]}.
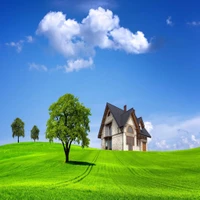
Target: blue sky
{"type": "Point", "coordinates": [144, 54]}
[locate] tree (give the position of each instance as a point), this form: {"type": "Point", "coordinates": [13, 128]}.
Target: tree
{"type": "Point", "coordinates": [35, 133]}
{"type": "Point", "coordinates": [69, 121]}
{"type": "Point", "coordinates": [17, 128]}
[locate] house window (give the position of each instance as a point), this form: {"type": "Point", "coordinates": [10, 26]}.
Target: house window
{"type": "Point", "coordinates": [108, 113]}
{"type": "Point", "coordinates": [130, 130]}
{"type": "Point", "coordinates": [109, 129]}
{"type": "Point", "coordinates": [130, 140]}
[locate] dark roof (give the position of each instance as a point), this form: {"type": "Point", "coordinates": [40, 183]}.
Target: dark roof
{"type": "Point", "coordinates": [121, 117]}
{"type": "Point", "coordinates": [125, 116]}
{"type": "Point", "coordinates": [138, 119]}
{"type": "Point", "coordinates": [145, 132]}
{"type": "Point", "coordinates": [116, 112]}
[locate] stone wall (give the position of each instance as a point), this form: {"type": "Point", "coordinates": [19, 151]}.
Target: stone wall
{"type": "Point", "coordinates": [117, 142]}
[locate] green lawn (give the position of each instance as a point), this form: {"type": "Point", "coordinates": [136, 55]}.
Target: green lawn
{"type": "Point", "coordinates": [37, 171]}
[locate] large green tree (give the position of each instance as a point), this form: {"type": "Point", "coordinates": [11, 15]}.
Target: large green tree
{"type": "Point", "coordinates": [18, 128]}
{"type": "Point", "coordinates": [35, 133]}
{"type": "Point", "coordinates": [68, 122]}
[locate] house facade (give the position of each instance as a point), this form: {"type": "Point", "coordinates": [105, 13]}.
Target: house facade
{"type": "Point", "coordinates": [121, 130]}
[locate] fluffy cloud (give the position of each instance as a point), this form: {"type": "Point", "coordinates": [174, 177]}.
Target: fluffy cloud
{"type": "Point", "coordinates": [76, 65]}
{"type": "Point", "coordinates": [29, 39]}
{"type": "Point", "coordinates": [96, 27]}
{"type": "Point", "coordinates": [38, 67]}
{"type": "Point", "coordinates": [62, 34]}
{"type": "Point", "coordinates": [129, 42]}
{"type": "Point", "coordinates": [169, 21]}
{"type": "Point", "coordinates": [19, 45]}
{"type": "Point", "coordinates": [177, 134]}
{"type": "Point", "coordinates": [100, 29]}
{"type": "Point", "coordinates": [148, 126]}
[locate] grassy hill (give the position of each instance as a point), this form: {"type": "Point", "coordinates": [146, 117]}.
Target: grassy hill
{"type": "Point", "coordinates": [37, 171]}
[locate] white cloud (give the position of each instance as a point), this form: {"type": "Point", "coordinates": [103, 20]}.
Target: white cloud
{"type": "Point", "coordinates": [194, 23]}
{"type": "Point", "coordinates": [96, 27]}
{"type": "Point", "coordinates": [62, 34]}
{"type": "Point", "coordinates": [100, 29]}
{"type": "Point", "coordinates": [29, 39]}
{"type": "Point", "coordinates": [18, 45]}
{"type": "Point", "coordinates": [169, 21]}
{"type": "Point", "coordinates": [96, 17]}
{"type": "Point", "coordinates": [162, 145]}
{"type": "Point", "coordinates": [76, 65]}
{"type": "Point", "coordinates": [129, 42]}
{"type": "Point", "coordinates": [149, 127]}
{"type": "Point", "coordinates": [195, 139]}
{"type": "Point", "coordinates": [38, 67]}
{"type": "Point", "coordinates": [180, 134]}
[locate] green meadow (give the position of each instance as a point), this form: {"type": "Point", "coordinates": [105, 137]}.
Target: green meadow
{"type": "Point", "coordinates": [37, 171]}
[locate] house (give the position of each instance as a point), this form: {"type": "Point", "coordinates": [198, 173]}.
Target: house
{"type": "Point", "coordinates": [121, 130]}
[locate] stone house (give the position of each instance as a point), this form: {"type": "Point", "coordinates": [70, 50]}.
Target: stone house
{"type": "Point", "coordinates": [122, 130]}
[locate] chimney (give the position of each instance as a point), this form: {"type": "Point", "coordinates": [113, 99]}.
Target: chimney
{"type": "Point", "coordinates": [124, 108]}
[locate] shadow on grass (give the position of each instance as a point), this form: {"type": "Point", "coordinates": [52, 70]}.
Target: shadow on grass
{"type": "Point", "coordinates": [71, 162]}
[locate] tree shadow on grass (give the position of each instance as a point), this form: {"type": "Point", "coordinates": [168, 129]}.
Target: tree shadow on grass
{"type": "Point", "coordinates": [71, 162]}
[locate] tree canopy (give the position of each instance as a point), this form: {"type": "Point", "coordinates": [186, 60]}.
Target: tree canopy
{"type": "Point", "coordinates": [18, 128]}
{"type": "Point", "coordinates": [68, 122]}
{"type": "Point", "coordinates": [35, 133]}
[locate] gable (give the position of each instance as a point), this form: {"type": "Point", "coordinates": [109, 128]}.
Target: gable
{"type": "Point", "coordinates": [131, 122]}
{"type": "Point", "coordinates": [114, 114]}
{"type": "Point", "coordinates": [108, 117]}
{"type": "Point", "coordinates": [140, 122]}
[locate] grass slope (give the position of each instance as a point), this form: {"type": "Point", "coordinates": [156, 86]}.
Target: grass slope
{"type": "Point", "coordinates": [37, 171]}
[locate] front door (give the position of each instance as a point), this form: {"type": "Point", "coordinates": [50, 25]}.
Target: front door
{"type": "Point", "coordinates": [144, 146]}
{"type": "Point", "coordinates": [130, 147]}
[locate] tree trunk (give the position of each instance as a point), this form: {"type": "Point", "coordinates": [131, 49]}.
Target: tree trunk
{"type": "Point", "coordinates": [66, 155]}
{"type": "Point", "coordinates": [66, 147]}
{"type": "Point", "coordinates": [18, 139]}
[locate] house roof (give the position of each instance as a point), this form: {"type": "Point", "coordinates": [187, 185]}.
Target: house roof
{"type": "Point", "coordinates": [139, 119]}
{"type": "Point", "coordinates": [121, 117]}
{"type": "Point", "coordinates": [145, 132]}
{"type": "Point", "coordinates": [125, 116]}
{"type": "Point", "coordinates": [116, 112]}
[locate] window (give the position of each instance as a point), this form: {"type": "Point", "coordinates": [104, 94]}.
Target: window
{"type": "Point", "coordinates": [109, 129]}
{"type": "Point", "coordinates": [108, 113]}
{"type": "Point", "coordinates": [130, 140]}
{"type": "Point", "coordinates": [130, 130]}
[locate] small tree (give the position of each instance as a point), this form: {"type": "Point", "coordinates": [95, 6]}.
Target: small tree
{"type": "Point", "coordinates": [35, 133]}
{"type": "Point", "coordinates": [17, 128]}
{"type": "Point", "coordinates": [69, 121]}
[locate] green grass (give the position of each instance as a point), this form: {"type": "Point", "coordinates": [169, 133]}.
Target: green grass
{"type": "Point", "coordinates": [37, 171]}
